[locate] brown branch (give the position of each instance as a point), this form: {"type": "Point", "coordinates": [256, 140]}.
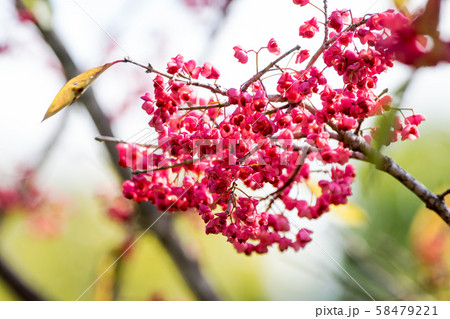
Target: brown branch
{"type": "Point", "coordinates": [388, 165]}
{"type": "Point", "coordinates": [204, 107]}
{"type": "Point", "coordinates": [148, 68]}
{"type": "Point", "coordinates": [253, 151]}
{"type": "Point", "coordinates": [359, 156]}
{"type": "Point", "coordinates": [214, 88]}
{"type": "Point", "coordinates": [23, 290]}
{"type": "Point", "coordinates": [167, 234]}
{"type": "Point", "coordinates": [188, 162]}
{"type": "Point", "coordinates": [305, 151]}
{"type": "Point", "coordinates": [286, 106]}
{"type": "Point", "coordinates": [441, 196]}
{"type": "Point", "coordinates": [163, 229]}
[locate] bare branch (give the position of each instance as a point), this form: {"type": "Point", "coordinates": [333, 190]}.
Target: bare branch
{"type": "Point", "coordinates": [214, 88]}
{"type": "Point", "coordinates": [204, 107]}
{"type": "Point", "coordinates": [188, 162]}
{"type": "Point", "coordinates": [325, 12]}
{"type": "Point", "coordinates": [441, 196]}
{"type": "Point", "coordinates": [305, 150]}
{"type": "Point", "coordinates": [110, 139]}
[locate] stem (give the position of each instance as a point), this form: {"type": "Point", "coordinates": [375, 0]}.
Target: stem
{"type": "Point", "coordinates": [204, 107]}
{"type": "Point", "coordinates": [253, 151]}
{"type": "Point", "coordinates": [325, 12]}
{"type": "Point", "coordinates": [286, 106]}
{"type": "Point", "coordinates": [305, 151]}
{"type": "Point", "coordinates": [242, 192]}
{"type": "Point", "coordinates": [163, 168]}
{"type": "Point", "coordinates": [258, 75]}
{"type": "Point", "coordinates": [312, 4]}
{"type": "Point", "coordinates": [441, 196]}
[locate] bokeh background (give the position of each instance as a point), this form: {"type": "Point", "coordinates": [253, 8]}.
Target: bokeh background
{"type": "Point", "coordinates": [384, 244]}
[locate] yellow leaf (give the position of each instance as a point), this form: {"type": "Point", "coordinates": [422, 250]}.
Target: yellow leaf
{"type": "Point", "coordinates": [400, 3]}
{"type": "Point", "coordinates": [74, 88]}
{"type": "Point", "coordinates": [350, 213]}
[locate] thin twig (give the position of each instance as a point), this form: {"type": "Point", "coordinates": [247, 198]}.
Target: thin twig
{"type": "Point", "coordinates": [163, 229]}
{"type": "Point", "coordinates": [258, 75]}
{"type": "Point", "coordinates": [52, 142]}
{"type": "Point", "coordinates": [276, 109]}
{"type": "Point", "coordinates": [325, 12]}
{"type": "Point", "coordinates": [441, 196]}
{"type": "Point", "coordinates": [253, 151]}
{"type": "Point", "coordinates": [110, 139]}
{"type": "Point", "coordinates": [214, 88]}
{"type": "Point", "coordinates": [305, 151]}
{"type": "Point", "coordinates": [188, 162]}
{"type": "Point", "coordinates": [204, 107]}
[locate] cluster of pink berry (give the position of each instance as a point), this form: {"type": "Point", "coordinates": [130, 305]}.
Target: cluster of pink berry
{"type": "Point", "coordinates": [210, 153]}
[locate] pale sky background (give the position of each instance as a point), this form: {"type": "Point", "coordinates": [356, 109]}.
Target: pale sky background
{"type": "Point", "coordinates": [155, 31]}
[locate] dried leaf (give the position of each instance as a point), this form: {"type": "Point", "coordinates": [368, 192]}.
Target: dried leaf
{"type": "Point", "coordinates": [74, 88]}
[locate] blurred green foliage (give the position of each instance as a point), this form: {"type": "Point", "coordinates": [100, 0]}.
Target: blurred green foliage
{"type": "Point", "coordinates": [60, 267]}
{"type": "Point", "coordinates": [63, 267]}
{"type": "Point", "coordinates": [380, 255]}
